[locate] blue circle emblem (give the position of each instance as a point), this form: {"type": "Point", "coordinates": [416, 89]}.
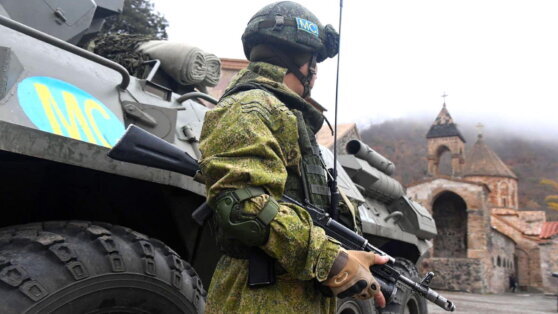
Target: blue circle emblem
{"type": "Point", "coordinates": [61, 108]}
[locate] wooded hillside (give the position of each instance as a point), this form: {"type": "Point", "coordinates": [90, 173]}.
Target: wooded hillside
{"type": "Point", "coordinates": [404, 143]}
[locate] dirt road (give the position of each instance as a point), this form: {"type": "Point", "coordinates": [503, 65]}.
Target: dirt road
{"type": "Point", "coordinates": [517, 303]}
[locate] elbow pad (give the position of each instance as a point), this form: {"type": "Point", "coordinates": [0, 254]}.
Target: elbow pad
{"type": "Point", "coordinates": [250, 230]}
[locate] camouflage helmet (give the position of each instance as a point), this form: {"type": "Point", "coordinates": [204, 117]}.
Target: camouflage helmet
{"type": "Point", "coordinates": [290, 25]}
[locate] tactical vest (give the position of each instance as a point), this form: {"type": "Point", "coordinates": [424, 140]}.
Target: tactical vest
{"type": "Point", "coordinates": [308, 186]}
{"type": "Point", "coordinates": [311, 185]}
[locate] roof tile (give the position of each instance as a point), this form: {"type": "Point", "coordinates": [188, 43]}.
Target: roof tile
{"type": "Point", "coordinates": [444, 126]}
{"type": "Point", "coordinates": [483, 161]}
{"type": "Point", "coordinates": [549, 229]}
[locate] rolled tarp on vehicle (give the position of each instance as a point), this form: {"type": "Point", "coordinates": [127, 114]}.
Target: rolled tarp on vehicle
{"type": "Point", "coordinates": [184, 63]}
{"type": "Point", "coordinates": [213, 75]}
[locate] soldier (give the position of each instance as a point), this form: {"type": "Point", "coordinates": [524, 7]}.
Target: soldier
{"type": "Point", "coordinates": [258, 144]}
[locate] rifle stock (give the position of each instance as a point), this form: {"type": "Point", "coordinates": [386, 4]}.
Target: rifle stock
{"type": "Point", "coordinates": [141, 147]}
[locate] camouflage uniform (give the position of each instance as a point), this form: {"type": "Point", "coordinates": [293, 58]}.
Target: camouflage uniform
{"type": "Point", "coordinates": [251, 139]}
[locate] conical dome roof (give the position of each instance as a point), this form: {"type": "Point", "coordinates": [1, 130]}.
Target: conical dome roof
{"type": "Point", "coordinates": [444, 126]}
{"type": "Point", "coordinates": [483, 161]}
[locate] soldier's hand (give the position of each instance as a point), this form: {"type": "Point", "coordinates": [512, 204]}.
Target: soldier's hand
{"type": "Point", "coordinates": [350, 276]}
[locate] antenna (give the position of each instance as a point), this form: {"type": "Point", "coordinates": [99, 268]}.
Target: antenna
{"type": "Point", "coordinates": [333, 184]}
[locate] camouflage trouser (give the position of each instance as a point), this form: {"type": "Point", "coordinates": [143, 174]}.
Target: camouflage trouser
{"type": "Point", "coordinates": [229, 293]}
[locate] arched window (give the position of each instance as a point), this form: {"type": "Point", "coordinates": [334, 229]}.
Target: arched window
{"type": "Point", "coordinates": [498, 262]}
{"type": "Point", "coordinates": [444, 161]}
{"type": "Point", "coordinates": [504, 192]}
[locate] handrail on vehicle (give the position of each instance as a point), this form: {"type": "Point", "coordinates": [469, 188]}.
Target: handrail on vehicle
{"type": "Point", "coordinates": [187, 96]}
{"type": "Point", "coordinates": [22, 28]}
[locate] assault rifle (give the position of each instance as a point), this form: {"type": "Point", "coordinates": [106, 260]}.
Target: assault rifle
{"type": "Point", "coordinates": [141, 147]}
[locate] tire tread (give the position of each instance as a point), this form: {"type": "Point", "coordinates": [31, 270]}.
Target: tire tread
{"type": "Point", "coordinates": [51, 239]}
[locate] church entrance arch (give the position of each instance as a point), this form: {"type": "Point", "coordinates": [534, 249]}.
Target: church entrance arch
{"type": "Point", "coordinates": [450, 213]}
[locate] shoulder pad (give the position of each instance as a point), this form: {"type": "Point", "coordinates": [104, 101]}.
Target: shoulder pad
{"type": "Point", "coordinates": [266, 105]}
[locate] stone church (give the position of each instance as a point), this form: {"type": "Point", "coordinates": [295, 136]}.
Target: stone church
{"type": "Point", "coordinates": [483, 237]}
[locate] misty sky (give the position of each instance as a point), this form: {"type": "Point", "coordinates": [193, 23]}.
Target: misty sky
{"type": "Point", "coordinates": [496, 60]}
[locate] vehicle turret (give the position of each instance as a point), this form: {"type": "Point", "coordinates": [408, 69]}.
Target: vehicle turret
{"type": "Point", "coordinates": [72, 21]}
{"type": "Point", "coordinates": [369, 171]}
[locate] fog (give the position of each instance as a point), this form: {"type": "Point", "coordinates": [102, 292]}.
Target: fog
{"type": "Point", "coordinates": [496, 60]}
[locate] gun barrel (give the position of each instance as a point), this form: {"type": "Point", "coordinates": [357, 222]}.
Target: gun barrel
{"type": "Point", "coordinates": [441, 301]}
{"type": "Point", "coordinates": [364, 152]}
{"type": "Point", "coordinates": [429, 294]}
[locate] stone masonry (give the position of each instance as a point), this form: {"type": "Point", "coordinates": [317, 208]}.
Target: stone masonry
{"type": "Point", "coordinates": [476, 263]}
{"type": "Point", "coordinates": [549, 264]}
{"type": "Point", "coordinates": [483, 237]}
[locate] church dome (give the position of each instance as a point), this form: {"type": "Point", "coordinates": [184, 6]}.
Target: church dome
{"type": "Point", "coordinates": [483, 161]}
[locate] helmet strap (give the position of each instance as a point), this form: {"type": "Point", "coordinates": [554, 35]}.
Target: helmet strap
{"type": "Point", "coordinates": [311, 72]}
{"type": "Point", "coordinates": [293, 68]}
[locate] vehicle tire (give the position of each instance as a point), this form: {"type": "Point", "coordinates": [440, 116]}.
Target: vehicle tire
{"type": "Point", "coordinates": [405, 301]}
{"type": "Point", "coordinates": [354, 306]}
{"type": "Point", "coordinates": [84, 267]}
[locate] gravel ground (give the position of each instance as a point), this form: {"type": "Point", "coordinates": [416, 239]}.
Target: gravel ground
{"type": "Point", "coordinates": [524, 303]}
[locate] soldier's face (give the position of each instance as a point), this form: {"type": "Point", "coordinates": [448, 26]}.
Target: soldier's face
{"type": "Point", "coordinates": [315, 77]}
{"type": "Point", "coordinates": [294, 83]}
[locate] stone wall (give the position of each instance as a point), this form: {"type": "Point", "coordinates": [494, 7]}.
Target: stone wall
{"type": "Point", "coordinates": [437, 146]}
{"type": "Point", "coordinates": [502, 253]}
{"type": "Point", "coordinates": [460, 273]}
{"type": "Point", "coordinates": [457, 274]}
{"type": "Point", "coordinates": [478, 233]}
{"type": "Point", "coordinates": [549, 264]}
{"type": "Point", "coordinates": [527, 259]}
{"type": "Point", "coordinates": [531, 262]}
{"type": "Point", "coordinates": [532, 221]}
{"type": "Point", "coordinates": [427, 192]}
{"type": "Point", "coordinates": [503, 191]}
{"type": "Point", "coordinates": [535, 273]}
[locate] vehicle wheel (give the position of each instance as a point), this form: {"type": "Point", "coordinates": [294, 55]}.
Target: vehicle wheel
{"type": "Point", "coordinates": [354, 306]}
{"type": "Point", "coordinates": [83, 267]}
{"type": "Point", "coordinates": [405, 301]}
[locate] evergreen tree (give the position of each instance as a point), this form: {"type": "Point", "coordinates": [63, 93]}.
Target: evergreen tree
{"type": "Point", "coordinates": [139, 18]}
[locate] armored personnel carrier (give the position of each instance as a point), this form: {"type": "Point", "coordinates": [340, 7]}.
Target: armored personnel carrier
{"type": "Point", "coordinates": [82, 233]}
